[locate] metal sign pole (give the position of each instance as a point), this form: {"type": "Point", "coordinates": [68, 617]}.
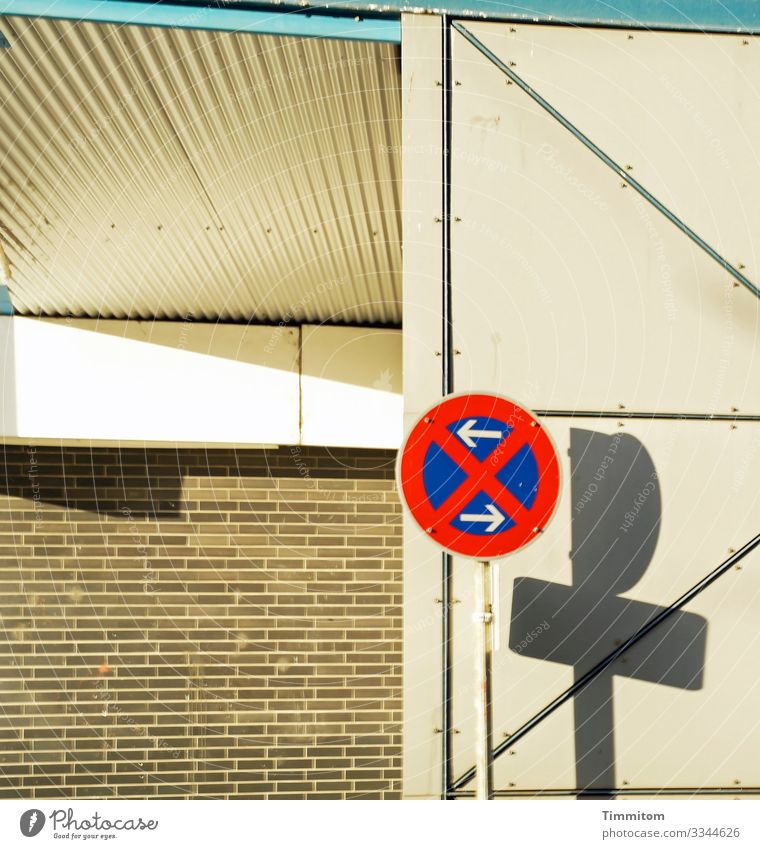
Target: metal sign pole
{"type": "Point", "coordinates": [484, 649]}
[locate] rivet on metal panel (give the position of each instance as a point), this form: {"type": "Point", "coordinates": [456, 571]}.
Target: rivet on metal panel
{"type": "Point", "coordinates": [744, 42]}
{"type": "Point", "coordinates": [538, 530]}
{"type": "Point", "coordinates": [508, 82]}
{"type": "Point", "coordinates": [621, 424]}
{"type": "Point", "coordinates": [624, 185]}
{"type": "Point", "coordinates": [438, 353]}
{"type": "Point", "coordinates": [734, 409]}
{"type": "Point", "coordinates": [438, 83]}
{"type": "Point", "coordinates": [740, 265]}
{"type": "Point", "coordinates": [630, 37]}
{"type": "Point", "coordinates": [427, 420]}
{"type": "Point", "coordinates": [629, 167]}
{"type": "Point", "coordinates": [626, 782]}
{"type": "Point", "coordinates": [513, 64]}
{"type": "Point", "coordinates": [456, 82]}
{"type": "Point", "coordinates": [512, 784]}
{"type": "Point", "coordinates": [457, 351]}
{"type": "Point", "coordinates": [436, 219]}
{"type": "Point", "coordinates": [457, 219]}
{"type": "Point", "coordinates": [430, 530]}
{"type": "Point", "coordinates": [733, 427]}
{"type": "Point", "coordinates": [455, 731]}
{"type": "Point", "coordinates": [512, 752]}
{"type": "Point", "coordinates": [437, 731]}
{"type": "Point", "coordinates": [512, 29]}
{"type": "Point", "coordinates": [621, 406]}
{"type": "Point", "coordinates": [737, 781]}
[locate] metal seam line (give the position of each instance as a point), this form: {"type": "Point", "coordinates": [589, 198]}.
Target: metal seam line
{"type": "Point", "coordinates": [627, 791]}
{"type": "Point", "coordinates": [609, 162]}
{"type": "Point", "coordinates": [447, 386]}
{"type": "Point", "coordinates": [314, 23]}
{"type": "Point", "coordinates": [596, 670]}
{"type": "Point", "coordinates": [640, 414]}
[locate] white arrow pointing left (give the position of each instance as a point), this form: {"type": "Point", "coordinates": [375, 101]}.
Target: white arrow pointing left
{"type": "Point", "coordinates": [495, 518]}
{"type": "Point", "coordinates": [468, 434]}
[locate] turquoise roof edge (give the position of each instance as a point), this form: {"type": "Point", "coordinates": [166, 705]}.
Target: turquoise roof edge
{"type": "Point", "coordinates": [268, 19]}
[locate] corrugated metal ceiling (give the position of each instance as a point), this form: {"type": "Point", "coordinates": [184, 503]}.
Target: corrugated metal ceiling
{"type": "Point", "coordinates": [158, 173]}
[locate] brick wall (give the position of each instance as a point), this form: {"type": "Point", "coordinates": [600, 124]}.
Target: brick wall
{"type": "Point", "coordinates": [199, 623]}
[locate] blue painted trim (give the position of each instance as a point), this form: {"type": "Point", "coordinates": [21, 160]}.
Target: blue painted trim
{"type": "Point", "coordinates": [320, 24]}
{"type": "Point", "coordinates": [6, 307]}
{"type": "Point", "coordinates": [740, 16]}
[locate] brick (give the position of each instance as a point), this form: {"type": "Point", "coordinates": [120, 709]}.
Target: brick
{"type": "Point", "coordinates": [249, 617]}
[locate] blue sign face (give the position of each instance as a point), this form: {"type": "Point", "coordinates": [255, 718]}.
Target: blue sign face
{"type": "Point", "coordinates": [444, 476]}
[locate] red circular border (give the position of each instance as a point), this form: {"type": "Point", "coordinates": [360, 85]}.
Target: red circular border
{"type": "Point", "coordinates": [412, 458]}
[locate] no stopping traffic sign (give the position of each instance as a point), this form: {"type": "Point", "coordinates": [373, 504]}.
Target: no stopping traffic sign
{"type": "Point", "coordinates": [480, 475]}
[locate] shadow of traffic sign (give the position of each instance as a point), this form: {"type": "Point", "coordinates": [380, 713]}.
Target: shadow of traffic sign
{"type": "Point", "coordinates": [616, 513]}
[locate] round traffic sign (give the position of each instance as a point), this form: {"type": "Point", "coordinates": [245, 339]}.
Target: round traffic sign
{"type": "Point", "coordinates": [480, 475]}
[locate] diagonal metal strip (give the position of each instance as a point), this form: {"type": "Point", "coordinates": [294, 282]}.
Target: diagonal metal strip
{"type": "Point", "coordinates": [597, 670]}
{"type": "Point", "coordinates": [607, 160]}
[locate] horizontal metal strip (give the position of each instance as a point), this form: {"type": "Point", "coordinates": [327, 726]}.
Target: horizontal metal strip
{"type": "Point", "coordinates": [640, 414]}
{"type": "Point", "coordinates": [617, 791]}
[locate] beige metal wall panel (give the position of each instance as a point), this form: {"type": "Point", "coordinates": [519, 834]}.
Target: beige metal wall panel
{"type": "Point", "coordinates": [570, 291]}
{"type": "Point", "coordinates": [671, 504]}
{"type": "Point", "coordinates": [422, 165]}
{"type": "Point", "coordinates": [351, 387]}
{"type": "Point", "coordinates": [160, 173]}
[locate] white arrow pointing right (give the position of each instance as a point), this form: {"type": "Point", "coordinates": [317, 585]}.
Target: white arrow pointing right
{"type": "Point", "coordinates": [495, 518]}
